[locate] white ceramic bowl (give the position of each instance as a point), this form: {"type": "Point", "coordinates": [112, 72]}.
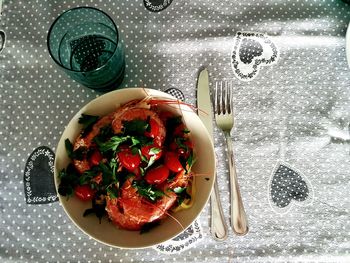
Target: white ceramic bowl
{"type": "Point", "coordinates": [108, 233]}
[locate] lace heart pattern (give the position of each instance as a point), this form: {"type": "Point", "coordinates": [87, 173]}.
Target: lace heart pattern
{"type": "Point", "coordinates": [251, 51]}
{"type": "Point", "coordinates": [157, 5]}
{"type": "Point", "coordinates": [39, 187]}
{"type": "Point", "coordinates": [288, 186]}
{"type": "Point", "coordinates": [182, 242]}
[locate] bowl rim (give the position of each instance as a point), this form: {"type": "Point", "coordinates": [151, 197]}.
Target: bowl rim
{"type": "Point", "coordinates": [155, 93]}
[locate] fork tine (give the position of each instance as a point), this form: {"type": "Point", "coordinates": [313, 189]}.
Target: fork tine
{"type": "Point", "coordinates": [225, 98]}
{"type": "Point", "coordinates": [223, 102]}
{"type": "Point", "coordinates": [222, 98]}
{"type": "Point", "coordinates": [229, 97]}
{"type": "Point", "coordinates": [216, 97]}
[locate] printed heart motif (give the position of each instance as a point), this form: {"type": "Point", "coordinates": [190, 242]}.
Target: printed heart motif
{"type": "Point", "coordinates": [250, 49]}
{"type": "Point", "coordinates": [176, 93]}
{"type": "Point", "coordinates": [288, 185]}
{"type": "Point", "coordinates": [39, 187]}
{"type": "Point", "coordinates": [250, 52]}
{"type": "Point", "coordinates": [156, 5]}
{"type": "Point", "coordinates": [182, 242]}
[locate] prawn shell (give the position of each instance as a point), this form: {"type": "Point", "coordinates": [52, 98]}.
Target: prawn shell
{"type": "Point", "coordinates": [131, 211]}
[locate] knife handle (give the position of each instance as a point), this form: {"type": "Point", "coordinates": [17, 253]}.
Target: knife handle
{"type": "Point", "coordinates": [218, 227]}
{"type": "Point", "coordinates": [239, 220]}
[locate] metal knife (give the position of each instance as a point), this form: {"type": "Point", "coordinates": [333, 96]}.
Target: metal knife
{"type": "Point", "coordinates": [218, 226]}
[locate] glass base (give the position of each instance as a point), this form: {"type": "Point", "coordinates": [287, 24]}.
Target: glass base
{"type": "Point", "coordinates": [113, 84]}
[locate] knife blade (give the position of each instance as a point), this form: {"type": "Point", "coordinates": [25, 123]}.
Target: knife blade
{"type": "Point", "coordinates": [218, 227]}
{"type": "Point", "coordinates": [203, 101]}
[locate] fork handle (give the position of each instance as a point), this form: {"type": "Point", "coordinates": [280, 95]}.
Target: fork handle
{"type": "Point", "coordinates": [218, 227]}
{"type": "Point", "coordinates": [239, 221]}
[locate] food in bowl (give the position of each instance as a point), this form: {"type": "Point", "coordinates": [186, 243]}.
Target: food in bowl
{"type": "Point", "coordinates": [134, 165]}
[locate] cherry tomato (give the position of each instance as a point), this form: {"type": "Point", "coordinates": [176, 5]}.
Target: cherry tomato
{"type": "Point", "coordinates": [96, 157]}
{"type": "Point", "coordinates": [179, 130]}
{"type": "Point", "coordinates": [129, 160]}
{"type": "Point", "coordinates": [189, 144]}
{"type": "Point", "coordinates": [154, 131]}
{"type": "Point", "coordinates": [165, 115]}
{"type": "Point", "coordinates": [172, 162]}
{"type": "Point", "coordinates": [84, 192]}
{"type": "Point", "coordinates": [145, 150]}
{"type": "Point", "coordinates": [157, 175]}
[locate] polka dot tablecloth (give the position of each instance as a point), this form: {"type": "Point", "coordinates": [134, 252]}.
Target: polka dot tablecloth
{"type": "Point", "coordinates": [291, 121]}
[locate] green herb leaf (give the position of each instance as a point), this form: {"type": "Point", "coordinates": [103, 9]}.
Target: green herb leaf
{"type": "Point", "coordinates": [114, 166]}
{"type": "Point", "coordinates": [112, 144]}
{"type": "Point", "coordinates": [179, 190]}
{"type": "Point", "coordinates": [78, 154]}
{"type": "Point", "coordinates": [69, 178]}
{"type": "Point", "coordinates": [186, 131]}
{"type": "Point", "coordinates": [112, 191]}
{"type": "Point", "coordinates": [105, 133]}
{"type": "Point", "coordinates": [107, 174]}
{"type": "Point", "coordinates": [147, 190]}
{"type": "Point", "coordinates": [87, 121]}
{"type": "Point", "coordinates": [98, 206]}
{"type": "Point", "coordinates": [190, 160]}
{"type": "Point", "coordinates": [69, 147]}
{"type": "Point", "coordinates": [180, 142]}
{"type": "Point", "coordinates": [86, 177]}
{"type": "Point", "coordinates": [182, 197]}
{"type": "Point", "coordinates": [135, 150]}
{"type": "Point", "coordinates": [135, 141]}
{"type": "Point", "coordinates": [135, 127]}
{"type": "Point", "coordinates": [154, 151]}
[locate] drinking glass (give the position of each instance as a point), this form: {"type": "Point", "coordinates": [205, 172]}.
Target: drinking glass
{"type": "Point", "coordinates": [86, 44]}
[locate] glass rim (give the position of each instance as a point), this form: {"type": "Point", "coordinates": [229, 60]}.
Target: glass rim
{"type": "Point", "coordinates": [59, 17]}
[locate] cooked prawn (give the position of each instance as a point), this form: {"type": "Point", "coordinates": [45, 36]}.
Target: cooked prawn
{"type": "Point", "coordinates": [130, 211]}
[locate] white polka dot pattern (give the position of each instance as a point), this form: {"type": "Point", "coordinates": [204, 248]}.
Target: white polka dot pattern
{"type": "Point", "coordinates": [286, 112]}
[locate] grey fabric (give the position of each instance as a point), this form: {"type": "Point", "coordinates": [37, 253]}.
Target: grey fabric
{"type": "Point", "coordinates": [295, 111]}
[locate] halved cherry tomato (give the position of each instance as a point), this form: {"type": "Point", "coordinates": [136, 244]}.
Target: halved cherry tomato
{"type": "Point", "coordinates": [84, 192]}
{"type": "Point", "coordinates": [145, 150]}
{"type": "Point", "coordinates": [96, 157]}
{"type": "Point", "coordinates": [172, 162]}
{"type": "Point", "coordinates": [129, 160]}
{"type": "Point", "coordinates": [154, 130]}
{"type": "Point", "coordinates": [157, 175]}
{"type": "Point", "coordinates": [179, 130]}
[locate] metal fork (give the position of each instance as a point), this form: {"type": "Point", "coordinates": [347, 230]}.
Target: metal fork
{"type": "Point", "coordinates": [223, 108]}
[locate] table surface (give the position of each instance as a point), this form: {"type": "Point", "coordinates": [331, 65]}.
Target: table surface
{"type": "Point", "coordinates": [294, 112]}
